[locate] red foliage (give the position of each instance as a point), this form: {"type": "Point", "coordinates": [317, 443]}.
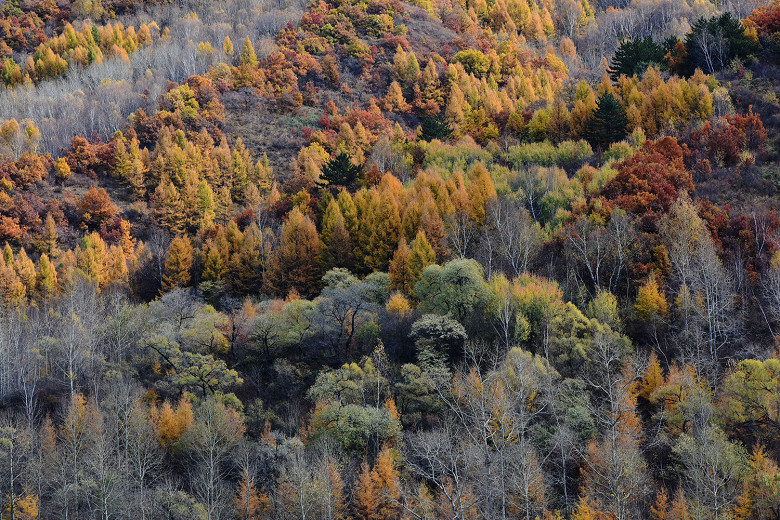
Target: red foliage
{"type": "Point", "coordinates": [725, 141]}
{"type": "Point", "coordinates": [95, 208]}
{"type": "Point", "coordinates": [766, 19]}
{"type": "Point", "coordinates": [650, 181]}
{"type": "Point", "coordinates": [26, 170]}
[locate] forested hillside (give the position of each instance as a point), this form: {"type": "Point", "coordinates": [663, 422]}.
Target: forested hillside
{"type": "Point", "coordinates": [387, 260]}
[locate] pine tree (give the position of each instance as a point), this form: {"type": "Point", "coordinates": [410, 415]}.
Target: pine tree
{"type": "Point", "coordinates": [178, 264]}
{"type": "Point", "coordinates": [339, 171]}
{"type": "Point", "coordinates": [608, 124]}
{"type": "Point", "coordinates": [634, 56]}
{"type": "Point", "coordinates": [435, 127]}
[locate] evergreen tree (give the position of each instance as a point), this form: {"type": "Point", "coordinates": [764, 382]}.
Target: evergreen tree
{"type": "Point", "coordinates": [435, 127]}
{"type": "Point", "coordinates": [339, 171]}
{"type": "Point", "coordinates": [634, 56]}
{"type": "Point", "coordinates": [713, 43]}
{"type": "Point", "coordinates": [608, 124]}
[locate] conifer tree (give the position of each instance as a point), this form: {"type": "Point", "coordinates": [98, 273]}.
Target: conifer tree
{"type": "Point", "coordinates": [336, 242]}
{"type": "Point", "coordinates": [248, 57]}
{"type": "Point", "coordinates": [421, 256]}
{"type": "Point", "coordinates": [92, 258]}
{"type": "Point", "coordinates": [45, 278]}
{"type": "Point", "coordinates": [634, 56]}
{"type": "Point", "coordinates": [213, 268]}
{"type": "Point", "coordinates": [399, 269]}
{"type": "Point", "coordinates": [366, 496]}
{"type": "Point", "coordinates": [294, 262]}
{"type": "Point", "coordinates": [385, 230]}
{"type": "Point", "coordinates": [25, 269]}
{"type": "Point", "coordinates": [349, 212]}
{"type": "Point", "coordinates": [206, 205]}
{"type": "Point", "coordinates": [48, 244]}
{"type": "Point", "coordinates": [339, 171]}
{"type": "Point", "coordinates": [178, 264]}
{"type": "Point", "coordinates": [608, 124]}
{"type": "Point", "coordinates": [248, 263]}
{"type": "Point", "coordinates": [227, 46]}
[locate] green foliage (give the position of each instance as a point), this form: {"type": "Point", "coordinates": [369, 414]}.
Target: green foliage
{"type": "Point", "coordinates": [457, 288]}
{"type": "Point", "coordinates": [713, 43]}
{"type": "Point", "coordinates": [460, 156]}
{"type": "Point", "coordinates": [435, 127]}
{"type": "Point", "coordinates": [339, 171]}
{"type": "Point", "coordinates": [566, 154]}
{"type": "Point", "coordinates": [608, 124]}
{"type": "Point", "coordinates": [473, 61]}
{"type": "Point", "coordinates": [439, 333]}
{"type": "Point", "coordinates": [634, 56]}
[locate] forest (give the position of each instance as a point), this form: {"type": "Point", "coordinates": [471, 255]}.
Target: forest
{"type": "Point", "coordinates": [390, 260]}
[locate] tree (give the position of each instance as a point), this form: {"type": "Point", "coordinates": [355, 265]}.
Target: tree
{"type": "Point", "coordinates": [608, 123]}
{"type": "Point", "coordinates": [634, 56]}
{"type": "Point", "coordinates": [705, 297]}
{"type": "Point", "coordinates": [95, 208]}
{"type": "Point", "coordinates": [248, 57]}
{"type": "Point", "coordinates": [294, 264]}
{"type": "Point", "coordinates": [458, 288]}
{"type": "Point", "coordinates": [62, 170]}
{"type": "Point", "coordinates": [421, 256]}
{"type": "Point", "coordinates": [519, 236]}
{"type": "Point", "coordinates": [713, 467]}
{"type": "Point", "coordinates": [339, 171]}
{"type": "Point", "coordinates": [713, 42]}
{"type": "Point", "coordinates": [216, 431]}
{"type": "Point", "coordinates": [178, 264]}
{"type": "Point", "coordinates": [399, 269]}
{"type": "Point", "coordinates": [435, 127]}
{"type": "Point", "coordinates": [250, 504]}
{"type": "Point", "coordinates": [336, 241]}
{"type": "Point", "coordinates": [385, 227]}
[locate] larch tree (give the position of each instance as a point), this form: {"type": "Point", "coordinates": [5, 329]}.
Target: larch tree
{"type": "Point", "coordinates": [399, 269]}
{"type": "Point", "coordinates": [178, 264]}
{"type": "Point", "coordinates": [294, 263]}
